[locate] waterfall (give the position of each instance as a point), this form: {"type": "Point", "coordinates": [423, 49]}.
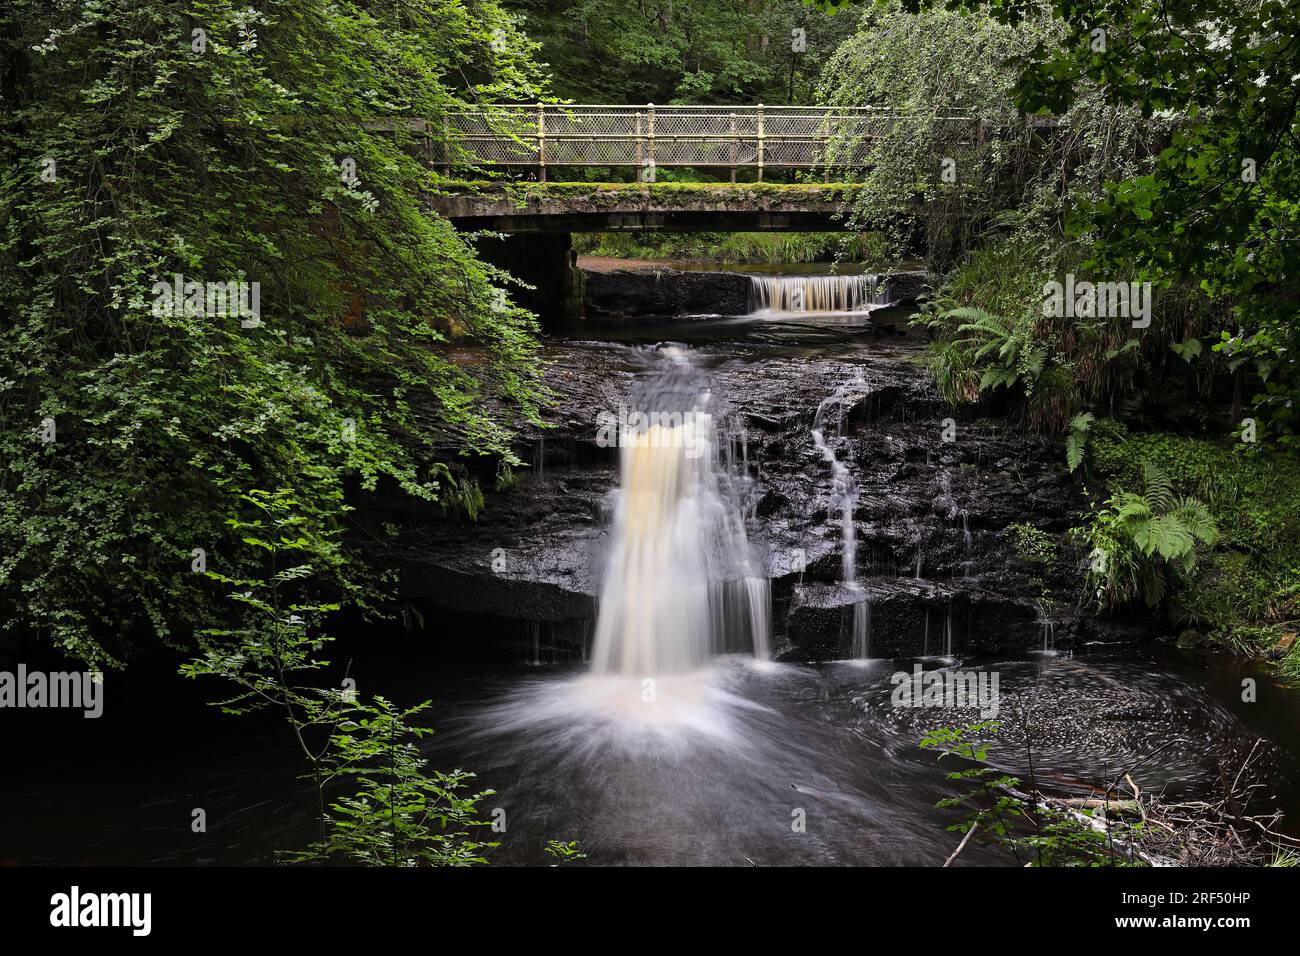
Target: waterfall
{"type": "Point", "coordinates": [862, 626]}
{"type": "Point", "coordinates": [969, 562]}
{"type": "Point", "coordinates": [815, 293]}
{"type": "Point", "coordinates": [681, 581]}
{"type": "Point", "coordinates": [535, 641]}
{"type": "Point", "coordinates": [844, 492]}
{"type": "Point", "coordinates": [1047, 627]}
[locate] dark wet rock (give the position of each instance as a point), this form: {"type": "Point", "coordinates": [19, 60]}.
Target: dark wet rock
{"type": "Point", "coordinates": [666, 292]}
{"type": "Point", "coordinates": [1192, 638]}
{"type": "Point", "coordinates": [1131, 629]}
{"type": "Point", "coordinates": [482, 589]}
{"type": "Point", "coordinates": [931, 518]}
{"type": "Point", "coordinates": [909, 618]}
{"type": "Point", "coordinates": [906, 286]}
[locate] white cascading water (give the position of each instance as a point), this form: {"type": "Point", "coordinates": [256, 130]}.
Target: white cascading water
{"type": "Point", "coordinates": [681, 581]}
{"type": "Point", "coordinates": [844, 493]}
{"type": "Point", "coordinates": [1047, 627]}
{"type": "Point", "coordinates": [815, 293]}
{"type": "Point", "coordinates": [968, 559]}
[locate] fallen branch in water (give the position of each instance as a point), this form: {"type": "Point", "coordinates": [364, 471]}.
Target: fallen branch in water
{"type": "Point", "coordinates": [1180, 833]}
{"type": "Point", "coordinates": [1107, 827]}
{"type": "Point", "coordinates": [962, 845]}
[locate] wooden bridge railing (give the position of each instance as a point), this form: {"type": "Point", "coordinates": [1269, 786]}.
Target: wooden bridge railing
{"type": "Point", "coordinates": [649, 136]}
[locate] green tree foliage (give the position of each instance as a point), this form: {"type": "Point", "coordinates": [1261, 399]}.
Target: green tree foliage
{"type": "Point", "coordinates": [1218, 208]}
{"type": "Point", "coordinates": [392, 810]}
{"type": "Point", "coordinates": [682, 51]}
{"type": "Point", "coordinates": [1043, 203]}
{"type": "Point", "coordinates": [999, 814]}
{"type": "Point", "coordinates": [994, 217]}
{"type": "Point", "coordinates": [222, 142]}
{"type": "Point", "coordinates": [963, 151]}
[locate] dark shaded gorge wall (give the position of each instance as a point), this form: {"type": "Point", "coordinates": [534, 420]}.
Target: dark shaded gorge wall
{"type": "Point", "coordinates": [545, 261]}
{"type": "Point", "coordinates": [933, 519]}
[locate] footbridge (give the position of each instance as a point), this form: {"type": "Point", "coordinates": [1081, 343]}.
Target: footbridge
{"type": "Point", "coordinates": [752, 140]}
{"type": "Point", "coordinates": [533, 172]}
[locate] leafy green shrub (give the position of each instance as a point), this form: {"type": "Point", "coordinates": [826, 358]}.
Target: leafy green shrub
{"type": "Point", "coordinates": [1144, 541]}
{"type": "Point", "coordinates": [1001, 815]}
{"type": "Point", "coordinates": [1251, 577]}
{"type": "Point", "coordinates": [395, 812]}
{"type": "Point", "coordinates": [1033, 544]}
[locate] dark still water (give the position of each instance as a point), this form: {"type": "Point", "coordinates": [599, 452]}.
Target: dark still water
{"type": "Point", "coordinates": [719, 769]}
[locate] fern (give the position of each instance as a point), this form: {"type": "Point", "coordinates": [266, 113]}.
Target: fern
{"type": "Point", "coordinates": [1164, 535]}
{"type": "Point", "coordinates": [969, 313]}
{"type": "Point", "coordinates": [1076, 442]}
{"type": "Point", "coordinates": [1032, 363]}
{"type": "Point", "coordinates": [988, 337]}
{"type": "Point", "coordinates": [1198, 520]}
{"type": "Point", "coordinates": [990, 334]}
{"type": "Point", "coordinates": [1157, 489]}
{"type": "Point", "coordinates": [996, 376]}
{"type": "Point", "coordinates": [1146, 537]}
{"type": "Point", "coordinates": [1131, 508]}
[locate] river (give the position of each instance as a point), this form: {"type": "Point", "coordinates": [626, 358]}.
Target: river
{"type": "Point", "coordinates": [693, 653]}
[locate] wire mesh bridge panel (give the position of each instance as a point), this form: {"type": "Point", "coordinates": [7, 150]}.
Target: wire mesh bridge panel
{"type": "Point", "coordinates": [649, 136]}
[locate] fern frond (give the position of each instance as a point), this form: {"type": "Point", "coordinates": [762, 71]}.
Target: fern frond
{"type": "Point", "coordinates": [1165, 536]}
{"type": "Point", "coordinates": [1157, 489]}
{"type": "Point", "coordinates": [1155, 583]}
{"type": "Point", "coordinates": [1132, 508]}
{"type": "Point", "coordinates": [1035, 361]}
{"type": "Point", "coordinates": [968, 313]}
{"type": "Point", "coordinates": [1076, 442]}
{"type": "Point", "coordinates": [1074, 446]}
{"type": "Point", "coordinates": [996, 376]}
{"type": "Point", "coordinates": [1082, 422]}
{"type": "Point", "coordinates": [1197, 519]}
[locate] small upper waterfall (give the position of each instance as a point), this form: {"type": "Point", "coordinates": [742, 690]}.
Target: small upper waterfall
{"type": "Point", "coordinates": [852, 293]}
{"type": "Point", "coordinates": [681, 580]}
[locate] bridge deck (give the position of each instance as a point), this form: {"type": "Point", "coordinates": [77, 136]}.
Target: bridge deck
{"type": "Point", "coordinates": [660, 207]}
